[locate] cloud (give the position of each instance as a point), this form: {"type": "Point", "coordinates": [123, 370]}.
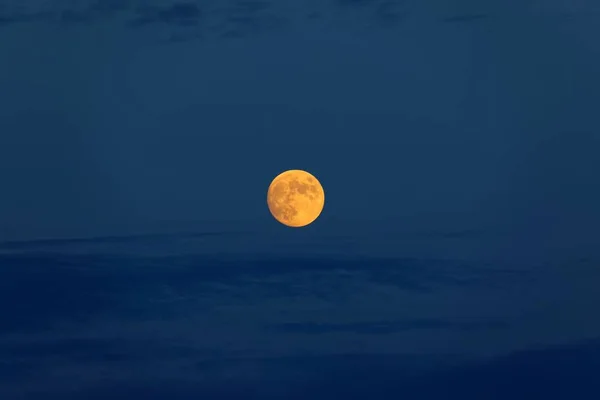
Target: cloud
{"type": "Point", "coordinates": [230, 18]}
{"type": "Point", "coordinates": [387, 327]}
{"type": "Point", "coordinates": [184, 13]}
{"type": "Point", "coordinates": [557, 372]}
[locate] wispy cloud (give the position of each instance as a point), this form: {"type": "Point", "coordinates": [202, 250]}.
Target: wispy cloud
{"type": "Point", "coordinates": [386, 327]}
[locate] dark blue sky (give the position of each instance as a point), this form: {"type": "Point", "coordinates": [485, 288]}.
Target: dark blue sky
{"type": "Point", "coordinates": [456, 257]}
{"type": "Point", "coordinates": [132, 118]}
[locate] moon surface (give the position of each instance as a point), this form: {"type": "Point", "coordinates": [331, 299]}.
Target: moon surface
{"type": "Point", "coordinates": [295, 198]}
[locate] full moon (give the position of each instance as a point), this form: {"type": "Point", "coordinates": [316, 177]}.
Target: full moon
{"type": "Point", "coordinates": [295, 198]}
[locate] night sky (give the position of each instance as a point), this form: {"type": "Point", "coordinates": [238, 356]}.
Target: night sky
{"type": "Point", "coordinates": [457, 145]}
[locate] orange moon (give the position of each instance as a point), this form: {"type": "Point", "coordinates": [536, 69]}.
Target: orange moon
{"type": "Point", "coordinates": [295, 198]}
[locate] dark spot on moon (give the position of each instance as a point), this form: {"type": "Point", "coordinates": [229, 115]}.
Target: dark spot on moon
{"type": "Point", "coordinates": [280, 188]}
{"type": "Point", "coordinates": [299, 187]}
{"type": "Point", "coordinates": [280, 202]}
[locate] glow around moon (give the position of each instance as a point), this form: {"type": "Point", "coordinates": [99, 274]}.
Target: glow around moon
{"type": "Point", "coordinates": [295, 198]}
